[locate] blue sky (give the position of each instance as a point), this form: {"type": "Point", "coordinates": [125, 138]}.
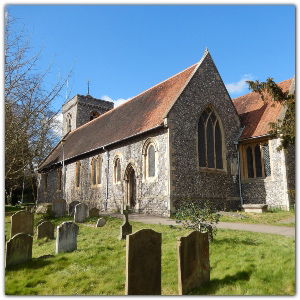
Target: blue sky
{"type": "Point", "coordinates": [124, 50]}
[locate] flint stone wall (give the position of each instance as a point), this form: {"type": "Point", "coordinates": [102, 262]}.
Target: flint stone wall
{"type": "Point", "coordinates": [187, 180]}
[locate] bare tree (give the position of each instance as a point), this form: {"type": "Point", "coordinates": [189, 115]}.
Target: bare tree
{"type": "Point", "coordinates": [29, 116]}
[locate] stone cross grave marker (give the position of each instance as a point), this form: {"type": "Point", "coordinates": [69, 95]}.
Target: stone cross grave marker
{"type": "Point", "coordinates": [45, 229]}
{"type": "Point", "coordinates": [94, 212]}
{"type": "Point", "coordinates": [143, 263]}
{"type": "Point", "coordinates": [72, 207]}
{"type": "Point", "coordinates": [18, 249]}
{"type": "Point", "coordinates": [101, 222]}
{"type": "Point", "coordinates": [59, 207]}
{"type": "Point", "coordinates": [125, 228]}
{"type": "Point", "coordinates": [22, 222]}
{"type": "Point", "coordinates": [66, 237]}
{"type": "Point", "coordinates": [81, 212]}
{"type": "Point", "coordinates": [193, 261]}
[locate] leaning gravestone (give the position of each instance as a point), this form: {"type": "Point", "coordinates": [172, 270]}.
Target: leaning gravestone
{"type": "Point", "coordinates": [72, 207]}
{"type": "Point", "coordinates": [125, 228]}
{"type": "Point", "coordinates": [94, 212]}
{"type": "Point", "coordinates": [22, 222]}
{"type": "Point", "coordinates": [81, 211]}
{"type": "Point", "coordinates": [18, 249]}
{"type": "Point", "coordinates": [66, 237]}
{"type": "Point", "coordinates": [59, 207]}
{"type": "Point", "coordinates": [45, 230]}
{"type": "Point", "coordinates": [101, 222]}
{"type": "Point", "coordinates": [143, 263]}
{"type": "Point", "coordinates": [193, 261]}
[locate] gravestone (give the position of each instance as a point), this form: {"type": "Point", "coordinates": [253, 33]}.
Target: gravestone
{"type": "Point", "coordinates": [125, 228]}
{"type": "Point", "coordinates": [72, 207]}
{"type": "Point", "coordinates": [101, 222]}
{"type": "Point", "coordinates": [22, 222]}
{"type": "Point", "coordinates": [40, 222]}
{"type": "Point", "coordinates": [59, 207]}
{"type": "Point", "coordinates": [143, 263]}
{"type": "Point", "coordinates": [81, 212]}
{"type": "Point", "coordinates": [44, 208]}
{"type": "Point", "coordinates": [66, 237]}
{"type": "Point", "coordinates": [94, 212]}
{"type": "Point", "coordinates": [18, 249]}
{"type": "Point", "coordinates": [193, 261]}
{"type": "Point", "coordinates": [45, 229]}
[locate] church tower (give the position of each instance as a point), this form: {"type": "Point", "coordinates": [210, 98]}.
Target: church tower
{"type": "Point", "coordinates": [82, 109]}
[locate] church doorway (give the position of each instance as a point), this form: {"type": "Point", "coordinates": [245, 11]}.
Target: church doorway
{"type": "Point", "coordinates": [130, 187]}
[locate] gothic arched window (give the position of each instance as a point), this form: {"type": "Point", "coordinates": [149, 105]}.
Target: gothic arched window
{"type": "Point", "coordinates": [117, 170]}
{"type": "Point", "coordinates": [210, 149]}
{"type": "Point", "coordinates": [69, 122]}
{"type": "Point", "coordinates": [151, 161]}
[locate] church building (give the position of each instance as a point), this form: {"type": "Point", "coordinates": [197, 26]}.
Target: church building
{"type": "Point", "coordinates": [184, 138]}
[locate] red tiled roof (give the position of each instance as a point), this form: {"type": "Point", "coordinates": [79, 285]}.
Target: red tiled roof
{"type": "Point", "coordinates": [142, 113]}
{"type": "Point", "coordinates": [256, 114]}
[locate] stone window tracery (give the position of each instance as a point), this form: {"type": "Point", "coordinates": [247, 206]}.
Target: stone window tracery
{"type": "Point", "coordinates": [69, 122]}
{"type": "Point", "coordinates": [210, 144]}
{"type": "Point", "coordinates": [256, 160]}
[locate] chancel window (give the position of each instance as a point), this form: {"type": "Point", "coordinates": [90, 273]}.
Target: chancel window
{"type": "Point", "coordinates": [210, 149]}
{"type": "Point", "coordinates": [256, 160]}
{"type": "Point", "coordinates": [117, 170]}
{"type": "Point", "coordinates": [151, 161]}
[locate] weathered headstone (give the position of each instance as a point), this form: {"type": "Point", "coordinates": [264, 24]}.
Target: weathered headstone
{"type": "Point", "coordinates": [193, 261]}
{"type": "Point", "coordinates": [94, 212]}
{"type": "Point", "coordinates": [59, 207]}
{"type": "Point", "coordinates": [66, 237]}
{"type": "Point", "coordinates": [143, 263]}
{"type": "Point", "coordinates": [125, 228]}
{"type": "Point", "coordinates": [18, 249]}
{"type": "Point", "coordinates": [45, 229]}
{"type": "Point", "coordinates": [40, 222]}
{"type": "Point", "coordinates": [72, 207]}
{"type": "Point", "coordinates": [22, 222]}
{"type": "Point", "coordinates": [81, 212]}
{"type": "Point", "coordinates": [101, 222]}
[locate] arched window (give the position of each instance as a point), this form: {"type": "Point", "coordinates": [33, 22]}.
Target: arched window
{"type": "Point", "coordinates": [210, 149]}
{"type": "Point", "coordinates": [94, 115]}
{"type": "Point", "coordinates": [69, 122]}
{"type": "Point", "coordinates": [256, 160]}
{"type": "Point", "coordinates": [78, 174]}
{"type": "Point", "coordinates": [151, 161]}
{"type": "Point", "coordinates": [117, 170]}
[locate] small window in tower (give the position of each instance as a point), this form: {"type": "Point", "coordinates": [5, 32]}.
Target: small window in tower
{"type": "Point", "coordinates": [94, 115]}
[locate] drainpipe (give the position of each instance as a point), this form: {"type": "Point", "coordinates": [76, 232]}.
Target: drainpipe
{"type": "Point", "coordinates": [107, 173]}
{"type": "Point", "coordinates": [236, 143]}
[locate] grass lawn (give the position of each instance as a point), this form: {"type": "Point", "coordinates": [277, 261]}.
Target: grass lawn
{"type": "Point", "coordinates": [242, 263]}
{"type": "Point", "coordinates": [276, 217]}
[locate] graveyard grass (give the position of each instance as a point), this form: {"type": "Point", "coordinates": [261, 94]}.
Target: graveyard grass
{"type": "Point", "coordinates": [242, 263]}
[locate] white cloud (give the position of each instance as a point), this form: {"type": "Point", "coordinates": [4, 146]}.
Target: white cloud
{"type": "Point", "coordinates": [57, 125]}
{"type": "Point", "coordinates": [116, 102]}
{"type": "Point", "coordinates": [240, 86]}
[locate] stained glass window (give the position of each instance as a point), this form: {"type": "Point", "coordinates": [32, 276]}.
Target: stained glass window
{"type": "Point", "coordinates": [151, 161]}
{"type": "Point", "coordinates": [266, 156]}
{"type": "Point", "coordinates": [250, 162]}
{"type": "Point", "coordinates": [258, 166]}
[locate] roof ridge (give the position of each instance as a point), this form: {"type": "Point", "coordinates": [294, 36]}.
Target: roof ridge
{"type": "Point", "coordinates": [130, 99]}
